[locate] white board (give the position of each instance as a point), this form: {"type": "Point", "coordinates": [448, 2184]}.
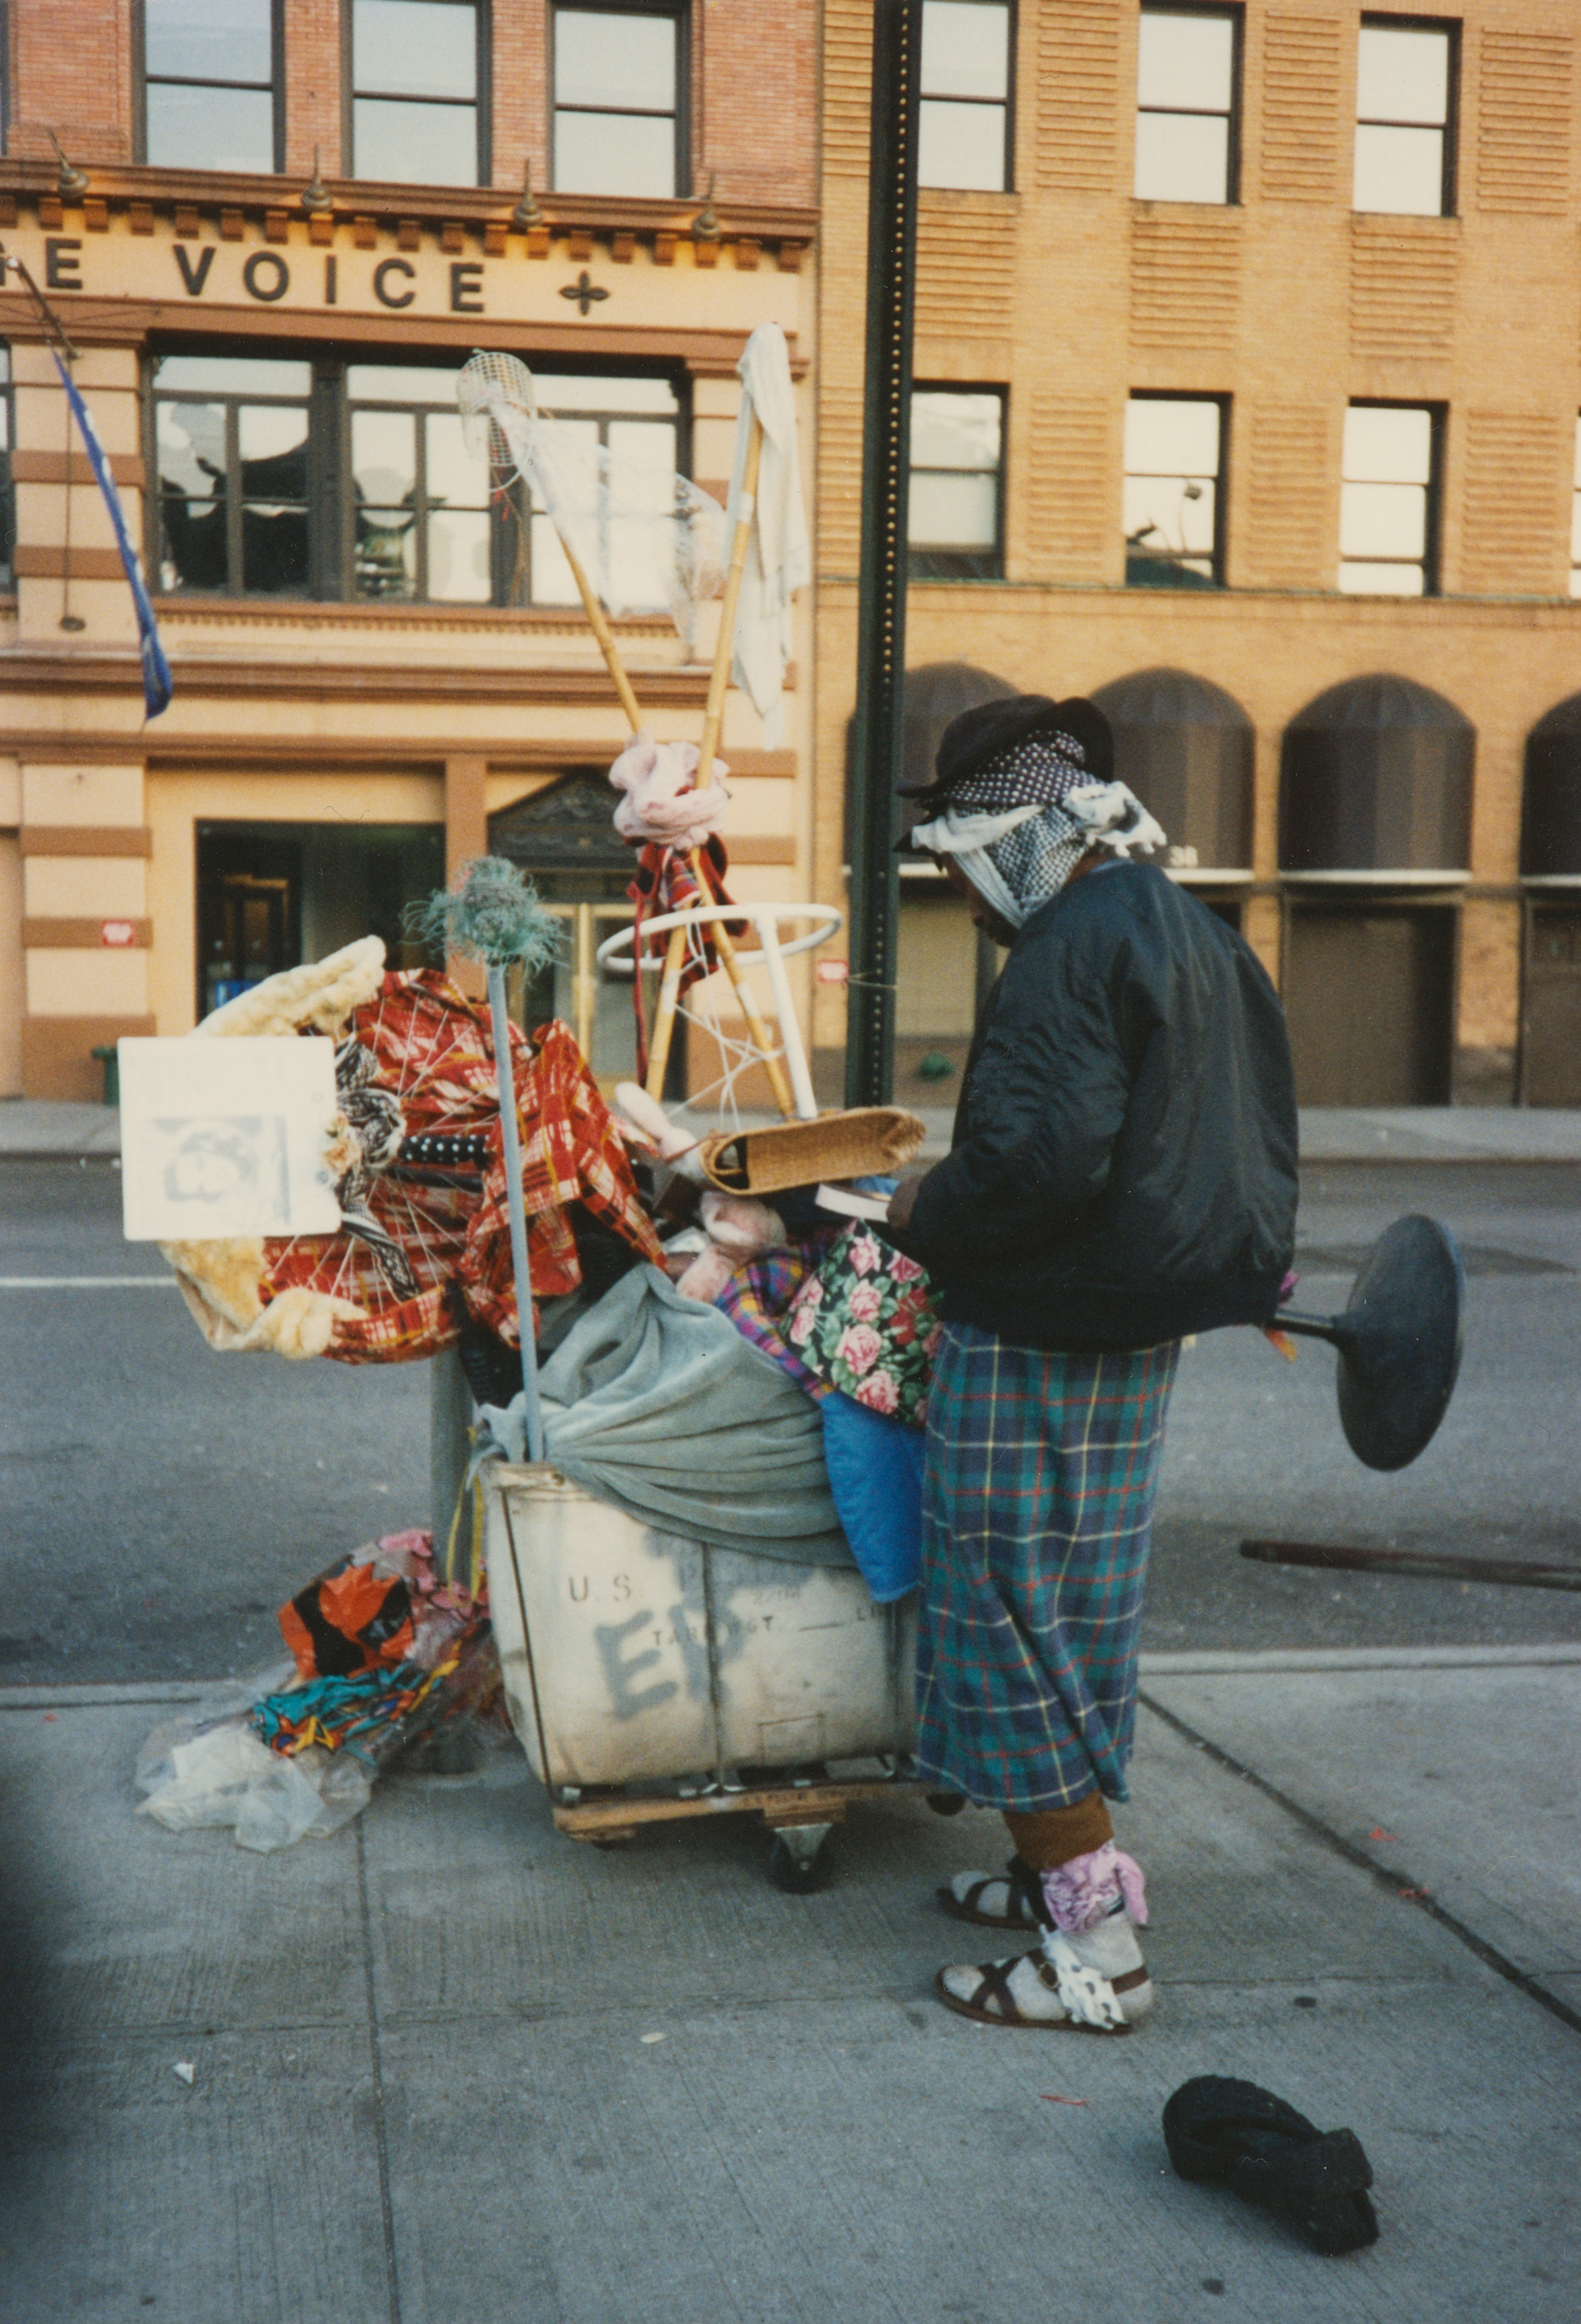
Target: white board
{"type": "Point", "coordinates": [226, 1138]}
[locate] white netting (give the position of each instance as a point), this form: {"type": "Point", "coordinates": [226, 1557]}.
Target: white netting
{"type": "Point", "coordinates": [647, 538]}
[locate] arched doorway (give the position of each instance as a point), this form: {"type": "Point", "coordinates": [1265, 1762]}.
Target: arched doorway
{"type": "Point", "coordinates": [1375, 836]}
{"type": "Point", "coordinates": [1184, 747]}
{"type": "Point", "coordinates": [1550, 875]}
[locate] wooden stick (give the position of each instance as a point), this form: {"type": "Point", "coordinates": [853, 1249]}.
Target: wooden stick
{"type": "Point", "coordinates": [599, 623]}
{"type": "Point", "coordinates": [713, 718]}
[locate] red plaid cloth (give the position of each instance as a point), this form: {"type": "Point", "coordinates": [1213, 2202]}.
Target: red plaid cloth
{"type": "Point", "coordinates": [432, 1051]}
{"type": "Point", "coordinates": [664, 881]}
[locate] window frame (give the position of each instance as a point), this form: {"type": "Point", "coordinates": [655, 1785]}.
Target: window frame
{"type": "Point", "coordinates": [1573, 555]}
{"type": "Point", "coordinates": [8, 487]}
{"type": "Point", "coordinates": [483, 103]}
{"type": "Point", "coordinates": [140, 80]}
{"type": "Point", "coordinates": [679, 13]}
{"type": "Point", "coordinates": [1006, 104]}
{"type": "Point", "coordinates": [1236, 14]}
{"type": "Point", "coordinates": [1433, 528]}
{"type": "Point", "coordinates": [959, 561]}
{"type": "Point", "coordinates": [1375, 20]}
{"type": "Point", "coordinates": [329, 503]}
{"type": "Point", "coordinates": [1225, 400]}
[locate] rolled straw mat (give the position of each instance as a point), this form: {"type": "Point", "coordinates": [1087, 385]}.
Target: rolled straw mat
{"type": "Point", "coordinates": [870, 1141]}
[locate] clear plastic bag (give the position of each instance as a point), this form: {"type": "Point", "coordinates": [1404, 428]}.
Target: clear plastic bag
{"type": "Point", "coordinates": [211, 1770]}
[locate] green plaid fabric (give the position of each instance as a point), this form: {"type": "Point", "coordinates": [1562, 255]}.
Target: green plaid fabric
{"type": "Point", "coordinates": [1037, 1506]}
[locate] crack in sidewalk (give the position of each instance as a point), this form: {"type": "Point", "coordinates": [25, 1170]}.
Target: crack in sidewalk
{"type": "Point", "coordinates": [1394, 1878]}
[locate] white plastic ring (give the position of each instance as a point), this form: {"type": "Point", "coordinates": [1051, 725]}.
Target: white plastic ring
{"type": "Point", "coordinates": [615, 952]}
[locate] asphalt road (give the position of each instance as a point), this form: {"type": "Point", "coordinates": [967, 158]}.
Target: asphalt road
{"type": "Point", "coordinates": [160, 1501]}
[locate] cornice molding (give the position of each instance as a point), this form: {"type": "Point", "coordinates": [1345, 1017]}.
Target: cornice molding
{"type": "Point", "coordinates": [137, 196]}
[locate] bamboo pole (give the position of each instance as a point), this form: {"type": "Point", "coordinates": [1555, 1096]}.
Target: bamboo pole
{"type": "Point", "coordinates": [599, 621]}
{"type": "Point", "coordinates": [713, 718]}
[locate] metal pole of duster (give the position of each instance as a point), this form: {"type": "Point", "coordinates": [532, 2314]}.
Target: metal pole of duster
{"type": "Point", "coordinates": [499, 1018]}
{"type": "Point", "coordinates": [886, 459]}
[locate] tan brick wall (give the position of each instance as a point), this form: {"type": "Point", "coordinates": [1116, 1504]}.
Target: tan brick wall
{"type": "Point", "coordinates": [1290, 304]}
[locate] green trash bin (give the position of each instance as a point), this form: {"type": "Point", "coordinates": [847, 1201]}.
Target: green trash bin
{"type": "Point", "coordinates": [109, 1057]}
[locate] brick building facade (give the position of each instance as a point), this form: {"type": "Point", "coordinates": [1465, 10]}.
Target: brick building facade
{"type": "Point", "coordinates": [362, 691]}
{"type": "Point", "coordinates": [1242, 323]}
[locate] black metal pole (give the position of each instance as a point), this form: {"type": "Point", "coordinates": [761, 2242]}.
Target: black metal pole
{"type": "Point", "coordinates": [886, 458]}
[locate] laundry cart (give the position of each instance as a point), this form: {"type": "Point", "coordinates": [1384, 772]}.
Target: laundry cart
{"type": "Point", "coordinates": [651, 1676]}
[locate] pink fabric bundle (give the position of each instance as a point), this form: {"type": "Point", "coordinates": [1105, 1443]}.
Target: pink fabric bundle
{"type": "Point", "coordinates": [661, 805]}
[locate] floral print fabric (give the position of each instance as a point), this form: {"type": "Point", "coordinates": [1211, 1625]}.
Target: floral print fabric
{"type": "Point", "coordinates": [866, 1324]}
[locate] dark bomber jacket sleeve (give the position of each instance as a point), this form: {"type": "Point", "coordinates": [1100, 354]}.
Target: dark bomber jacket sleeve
{"type": "Point", "coordinates": [1046, 1098]}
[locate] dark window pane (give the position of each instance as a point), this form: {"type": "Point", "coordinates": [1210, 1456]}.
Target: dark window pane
{"type": "Point", "coordinates": [1184, 62]}
{"type": "Point", "coordinates": [209, 39]}
{"type": "Point", "coordinates": [602, 57]}
{"type": "Point", "coordinates": [1403, 74]}
{"type": "Point", "coordinates": [274, 549]}
{"type": "Point", "coordinates": [966, 48]}
{"type": "Point", "coordinates": [385, 552]}
{"type": "Point", "coordinates": [961, 145]}
{"type": "Point", "coordinates": [211, 128]}
{"type": "Point", "coordinates": [415, 144]}
{"type": "Point", "coordinates": [621, 153]}
{"type": "Point", "coordinates": [414, 48]}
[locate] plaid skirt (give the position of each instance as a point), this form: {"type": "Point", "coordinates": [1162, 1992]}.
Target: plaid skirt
{"type": "Point", "coordinates": [1038, 1498]}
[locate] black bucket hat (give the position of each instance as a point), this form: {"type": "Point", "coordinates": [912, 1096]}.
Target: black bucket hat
{"type": "Point", "coordinates": [978, 736]}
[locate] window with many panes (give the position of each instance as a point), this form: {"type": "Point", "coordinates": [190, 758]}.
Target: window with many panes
{"type": "Point", "coordinates": [1405, 104]}
{"type": "Point", "coordinates": [1188, 75]}
{"type": "Point", "coordinates": [1389, 501]}
{"type": "Point", "coordinates": [964, 132]}
{"type": "Point", "coordinates": [954, 519]}
{"type": "Point", "coordinates": [1576, 520]}
{"type": "Point", "coordinates": [619, 110]}
{"type": "Point", "coordinates": [1172, 501]}
{"type": "Point", "coordinates": [417, 82]}
{"type": "Point", "coordinates": [210, 84]}
{"type": "Point", "coordinates": [280, 477]}
{"type": "Point", "coordinates": [7, 494]}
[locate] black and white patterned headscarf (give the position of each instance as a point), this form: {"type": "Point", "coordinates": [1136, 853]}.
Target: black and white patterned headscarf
{"type": "Point", "coordinates": [1019, 824]}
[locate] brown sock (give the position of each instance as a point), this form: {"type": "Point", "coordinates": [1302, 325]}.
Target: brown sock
{"type": "Point", "coordinates": [1045, 1837]}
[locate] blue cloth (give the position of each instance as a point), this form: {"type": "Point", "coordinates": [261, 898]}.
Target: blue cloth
{"type": "Point", "coordinates": [156, 669]}
{"type": "Point", "coordinates": [1042, 1472]}
{"type": "Point", "coordinates": [875, 1475]}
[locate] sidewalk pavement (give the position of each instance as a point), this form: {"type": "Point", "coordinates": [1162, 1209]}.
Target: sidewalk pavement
{"type": "Point", "coordinates": [31, 1128]}
{"type": "Point", "coordinates": [451, 2066]}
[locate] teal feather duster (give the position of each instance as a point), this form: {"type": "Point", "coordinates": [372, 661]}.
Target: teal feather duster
{"type": "Point", "coordinates": [490, 913]}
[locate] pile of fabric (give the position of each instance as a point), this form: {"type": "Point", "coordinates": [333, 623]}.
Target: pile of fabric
{"type": "Point", "coordinates": [383, 1652]}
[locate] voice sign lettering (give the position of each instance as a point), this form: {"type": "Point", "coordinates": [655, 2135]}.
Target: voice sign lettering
{"type": "Point", "coordinates": [267, 277]}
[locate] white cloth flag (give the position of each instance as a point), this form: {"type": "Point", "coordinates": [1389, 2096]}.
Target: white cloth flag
{"type": "Point", "coordinates": [779, 557]}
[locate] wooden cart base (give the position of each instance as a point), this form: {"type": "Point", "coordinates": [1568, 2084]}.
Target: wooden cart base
{"type": "Point", "coordinates": [800, 1816]}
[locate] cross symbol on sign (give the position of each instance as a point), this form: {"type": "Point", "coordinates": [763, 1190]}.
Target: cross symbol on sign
{"type": "Point", "coordinates": [584, 290]}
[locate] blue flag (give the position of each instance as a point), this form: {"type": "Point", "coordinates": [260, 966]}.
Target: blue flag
{"type": "Point", "coordinates": [156, 670]}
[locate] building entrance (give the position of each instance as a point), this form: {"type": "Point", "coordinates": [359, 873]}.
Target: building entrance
{"type": "Point", "coordinates": [271, 895]}
{"type": "Point", "coordinates": [1369, 1001]}
{"type": "Point", "coordinates": [1551, 1035]}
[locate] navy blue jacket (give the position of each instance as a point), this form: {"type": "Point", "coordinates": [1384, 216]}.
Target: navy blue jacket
{"type": "Point", "coordinates": [1124, 1169]}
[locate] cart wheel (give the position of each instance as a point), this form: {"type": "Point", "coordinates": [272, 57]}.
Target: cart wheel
{"type": "Point", "coordinates": [802, 1858]}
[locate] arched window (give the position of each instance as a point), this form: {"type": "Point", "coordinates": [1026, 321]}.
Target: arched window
{"type": "Point", "coordinates": [1184, 747]}
{"type": "Point", "coordinates": [1551, 799]}
{"type": "Point", "coordinates": [1376, 783]}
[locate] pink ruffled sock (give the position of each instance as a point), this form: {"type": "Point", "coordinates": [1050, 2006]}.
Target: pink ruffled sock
{"type": "Point", "coordinates": [1084, 1891]}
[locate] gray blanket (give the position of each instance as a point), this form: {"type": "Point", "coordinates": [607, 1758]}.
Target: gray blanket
{"type": "Point", "coordinates": [658, 1405]}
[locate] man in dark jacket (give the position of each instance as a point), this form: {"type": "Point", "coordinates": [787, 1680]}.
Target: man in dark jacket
{"type": "Point", "coordinates": [1122, 1174]}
